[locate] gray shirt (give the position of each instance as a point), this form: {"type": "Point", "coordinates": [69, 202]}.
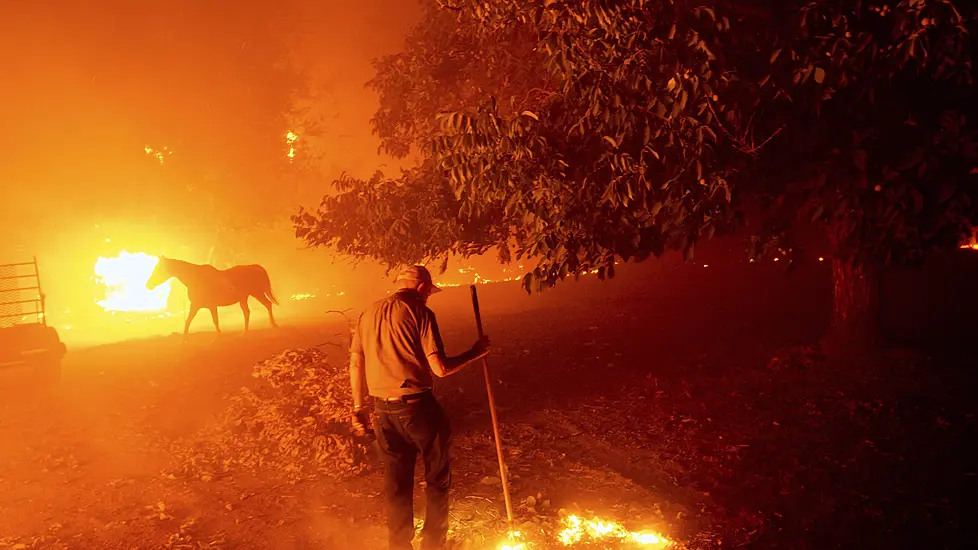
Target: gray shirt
{"type": "Point", "coordinates": [395, 336]}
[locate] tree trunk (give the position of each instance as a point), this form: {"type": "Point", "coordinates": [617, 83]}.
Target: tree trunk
{"type": "Point", "coordinates": [855, 312]}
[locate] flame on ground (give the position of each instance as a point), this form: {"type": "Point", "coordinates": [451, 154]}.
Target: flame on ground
{"type": "Point", "coordinates": [577, 530]}
{"type": "Point", "coordinates": [513, 542]}
{"type": "Point", "coordinates": [124, 277]}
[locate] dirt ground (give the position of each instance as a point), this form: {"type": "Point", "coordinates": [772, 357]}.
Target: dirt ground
{"type": "Point", "coordinates": [647, 402]}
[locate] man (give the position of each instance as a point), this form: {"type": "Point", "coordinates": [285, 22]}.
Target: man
{"type": "Point", "coordinates": [396, 348]}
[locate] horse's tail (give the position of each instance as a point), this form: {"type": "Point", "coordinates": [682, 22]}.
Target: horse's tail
{"type": "Point", "coordinates": [267, 286]}
{"type": "Point", "coordinates": [271, 296]}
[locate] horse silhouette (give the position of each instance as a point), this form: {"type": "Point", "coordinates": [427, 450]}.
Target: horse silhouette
{"type": "Point", "coordinates": [211, 288]}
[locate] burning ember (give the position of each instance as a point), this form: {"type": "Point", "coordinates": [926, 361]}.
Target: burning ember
{"type": "Point", "coordinates": [124, 278]}
{"type": "Point", "coordinates": [290, 139]}
{"type": "Point", "coordinates": [577, 530]}
{"type": "Point", "coordinates": [159, 154]}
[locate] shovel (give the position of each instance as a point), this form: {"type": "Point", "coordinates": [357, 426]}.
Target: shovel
{"type": "Point", "coordinates": [492, 412]}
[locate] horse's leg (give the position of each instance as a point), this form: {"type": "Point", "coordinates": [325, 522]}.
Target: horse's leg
{"type": "Point", "coordinates": [268, 305]}
{"type": "Point", "coordinates": [217, 325]}
{"type": "Point", "coordinates": [190, 318]}
{"type": "Point", "coordinates": [246, 311]}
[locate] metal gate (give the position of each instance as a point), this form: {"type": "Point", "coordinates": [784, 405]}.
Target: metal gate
{"type": "Point", "coordinates": [21, 299]}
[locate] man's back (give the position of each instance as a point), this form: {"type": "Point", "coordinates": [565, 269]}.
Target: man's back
{"type": "Point", "coordinates": [396, 335]}
{"type": "Point", "coordinates": [396, 349]}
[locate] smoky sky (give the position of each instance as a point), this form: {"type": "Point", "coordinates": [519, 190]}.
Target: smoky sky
{"type": "Point", "coordinates": [86, 85]}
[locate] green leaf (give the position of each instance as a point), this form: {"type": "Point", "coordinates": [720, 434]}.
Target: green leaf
{"type": "Point", "coordinates": [774, 56]}
{"type": "Point", "coordinates": [531, 114]}
{"type": "Point", "coordinates": [819, 75]}
{"type": "Point", "coordinates": [611, 141]}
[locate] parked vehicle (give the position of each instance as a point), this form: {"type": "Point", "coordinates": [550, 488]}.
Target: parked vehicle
{"type": "Point", "coordinates": [25, 337]}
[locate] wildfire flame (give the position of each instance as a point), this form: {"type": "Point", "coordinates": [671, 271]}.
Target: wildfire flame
{"type": "Point", "coordinates": [588, 532]}
{"type": "Point", "coordinates": [477, 279]}
{"type": "Point", "coordinates": [290, 139]}
{"type": "Point", "coordinates": [159, 154]}
{"type": "Point", "coordinates": [124, 277]}
{"type": "Point", "coordinates": [513, 542]}
{"type": "Point", "coordinates": [577, 530]}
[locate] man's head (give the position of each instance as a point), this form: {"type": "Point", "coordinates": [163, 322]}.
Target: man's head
{"type": "Point", "coordinates": [417, 278]}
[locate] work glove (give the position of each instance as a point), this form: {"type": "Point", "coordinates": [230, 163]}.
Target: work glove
{"type": "Point", "coordinates": [359, 421]}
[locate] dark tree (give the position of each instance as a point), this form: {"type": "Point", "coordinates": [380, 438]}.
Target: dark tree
{"type": "Point", "coordinates": [579, 134]}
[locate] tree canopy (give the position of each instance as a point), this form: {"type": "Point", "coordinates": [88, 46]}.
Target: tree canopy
{"type": "Point", "coordinates": [584, 133]}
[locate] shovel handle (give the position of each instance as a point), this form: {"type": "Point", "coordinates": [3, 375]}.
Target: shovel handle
{"type": "Point", "coordinates": [492, 414]}
{"type": "Point", "coordinates": [475, 307]}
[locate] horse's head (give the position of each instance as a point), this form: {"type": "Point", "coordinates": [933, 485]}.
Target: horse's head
{"type": "Point", "coordinates": [161, 274]}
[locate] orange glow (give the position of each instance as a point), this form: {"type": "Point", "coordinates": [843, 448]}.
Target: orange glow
{"type": "Point", "coordinates": [472, 277]}
{"type": "Point", "coordinates": [513, 542]}
{"type": "Point", "coordinates": [124, 277]}
{"type": "Point", "coordinates": [160, 155]}
{"type": "Point", "coordinates": [577, 530]}
{"type": "Point", "coordinates": [290, 139]}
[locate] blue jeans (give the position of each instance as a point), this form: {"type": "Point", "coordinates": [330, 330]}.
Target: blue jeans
{"type": "Point", "coordinates": [404, 430]}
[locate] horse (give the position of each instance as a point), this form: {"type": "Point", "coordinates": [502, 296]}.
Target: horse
{"type": "Point", "coordinates": [211, 288]}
